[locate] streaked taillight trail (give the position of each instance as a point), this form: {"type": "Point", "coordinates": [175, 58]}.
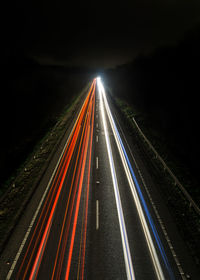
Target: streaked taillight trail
{"type": "Point", "coordinates": [77, 152]}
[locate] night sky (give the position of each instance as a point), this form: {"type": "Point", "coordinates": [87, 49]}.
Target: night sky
{"type": "Point", "coordinates": [87, 37]}
{"type": "Point", "coordinates": [95, 33]}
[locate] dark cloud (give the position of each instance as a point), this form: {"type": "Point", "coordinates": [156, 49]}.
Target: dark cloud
{"type": "Point", "coordinates": [104, 33]}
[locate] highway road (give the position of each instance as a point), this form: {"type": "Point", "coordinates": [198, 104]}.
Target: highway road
{"type": "Point", "coordinates": [98, 215]}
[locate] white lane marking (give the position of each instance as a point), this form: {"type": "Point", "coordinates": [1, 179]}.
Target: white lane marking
{"type": "Point", "coordinates": [97, 125]}
{"type": "Point", "coordinates": [124, 238]}
{"type": "Point", "coordinates": [97, 214]}
{"type": "Point", "coordinates": [39, 206]}
{"type": "Point", "coordinates": [97, 162]}
{"type": "Point", "coordinates": [97, 138]}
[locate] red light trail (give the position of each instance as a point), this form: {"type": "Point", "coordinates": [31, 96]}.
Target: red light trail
{"type": "Point", "coordinates": [77, 153]}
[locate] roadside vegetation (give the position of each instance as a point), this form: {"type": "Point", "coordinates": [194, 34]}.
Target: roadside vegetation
{"type": "Point", "coordinates": [18, 189]}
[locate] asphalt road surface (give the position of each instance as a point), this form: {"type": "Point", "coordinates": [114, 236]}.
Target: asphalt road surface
{"type": "Point", "coordinates": [97, 213]}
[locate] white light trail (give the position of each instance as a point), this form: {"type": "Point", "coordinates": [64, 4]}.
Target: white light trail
{"type": "Point", "coordinates": [147, 234]}
{"type": "Point", "coordinates": [125, 244]}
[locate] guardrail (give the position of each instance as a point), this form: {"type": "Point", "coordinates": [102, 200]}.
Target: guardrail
{"type": "Point", "coordinates": [176, 181]}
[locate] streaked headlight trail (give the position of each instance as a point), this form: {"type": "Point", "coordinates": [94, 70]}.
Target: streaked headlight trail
{"type": "Point", "coordinates": [125, 244]}
{"type": "Point", "coordinates": [133, 183]}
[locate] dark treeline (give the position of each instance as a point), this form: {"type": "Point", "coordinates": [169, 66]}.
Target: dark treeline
{"type": "Point", "coordinates": [32, 98]}
{"type": "Point", "coordinates": [165, 87]}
